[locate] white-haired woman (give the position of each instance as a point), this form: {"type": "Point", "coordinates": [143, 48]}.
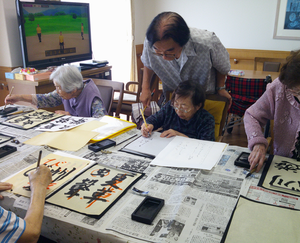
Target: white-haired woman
{"type": "Point", "coordinates": [79, 97]}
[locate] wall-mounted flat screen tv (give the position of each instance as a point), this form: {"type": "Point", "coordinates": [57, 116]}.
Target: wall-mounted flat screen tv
{"type": "Point", "coordinates": [54, 33]}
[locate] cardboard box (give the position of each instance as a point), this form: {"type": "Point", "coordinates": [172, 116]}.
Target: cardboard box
{"type": "Point", "coordinates": [37, 76]}
{"type": "Point", "coordinates": [19, 76]}
{"type": "Point", "coordinates": [10, 75]}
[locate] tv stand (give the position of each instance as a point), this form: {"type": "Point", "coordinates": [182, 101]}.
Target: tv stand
{"type": "Point", "coordinates": [46, 85]}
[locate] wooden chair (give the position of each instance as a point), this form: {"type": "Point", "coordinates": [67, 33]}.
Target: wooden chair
{"type": "Point", "coordinates": [217, 105]}
{"type": "Point", "coordinates": [131, 97]}
{"type": "Point", "coordinates": [107, 89]}
{"type": "Point", "coordinates": [269, 64]}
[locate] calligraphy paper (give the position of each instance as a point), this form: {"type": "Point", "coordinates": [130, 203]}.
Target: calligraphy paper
{"type": "Point", "coordinates": [64, 123]}
{"type": "Point", "coordinates": [94, 190]}
{"type": "Point", "coordinates": [190, 153]}
{"type": "Point", "coordinates": [62, 168]}
{"type": "Point", "coordinates": [112, 127]}
{"type": "Point", "coordinates": [148, 147]}
{"type": "Point", "coordinates": [71, 140]}
{"type": "Point", "coordinates": [31, 119]}
{"type": "Point", "coordinates": [282, 174]}
{"type": "Point", "coordinates": [258, 222]}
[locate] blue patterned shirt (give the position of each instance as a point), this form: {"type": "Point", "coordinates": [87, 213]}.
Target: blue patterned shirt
{"type": "Point", "coordinates": [200, 126]}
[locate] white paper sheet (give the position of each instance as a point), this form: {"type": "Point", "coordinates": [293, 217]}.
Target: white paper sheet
{"type": "Point", "coordinates": [152, 145]}
{"type": "Point", "coordinates": [190, 153]}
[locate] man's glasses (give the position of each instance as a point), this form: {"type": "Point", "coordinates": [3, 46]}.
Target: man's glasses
{"type": "Point", "coordinates": [170, 56]}
{"type": "Point", "coordinates": [180, 108]}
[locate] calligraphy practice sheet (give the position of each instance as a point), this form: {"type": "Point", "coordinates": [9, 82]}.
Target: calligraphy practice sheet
{"type": "Point", "coordinates": [282, 174]}
{"type": "Point", "coordinates": [190, 153]}
{"type": "Point", "coordinates": [258, 222]}
{"type": "Point", "coordinates": [62, 168]}
{"type": "Point", "coordinates": [93, 191]}
{"type": "Point", "coordinates": [31, 119]}
{"type": "Point", "coordinates": [113, 126]}
{"type": "Point", "coordinates": [152, 145]}
{"type": "Point", "coordinates": [64, 123]}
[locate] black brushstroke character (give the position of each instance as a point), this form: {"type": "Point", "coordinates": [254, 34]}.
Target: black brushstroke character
{"type": "Point", "coordinates": [287, 166]}
{"type": "Point", "coordinates": [117, 179]}
{"type": "Point", "coordinates": [98, 195]}
{"type": "Point", "coordinates": [100, 172]}
{"type": "Point", "coordinates": [83, 186]}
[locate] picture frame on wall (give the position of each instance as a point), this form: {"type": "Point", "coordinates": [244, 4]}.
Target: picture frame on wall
{"type": "Point", "coordinates": [287, 22]}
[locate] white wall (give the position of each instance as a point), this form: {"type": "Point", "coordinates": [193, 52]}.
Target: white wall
{"type": "Point", "coordinates": [10, 49]}
{"type": "Point", "coordinates": [240, 24]}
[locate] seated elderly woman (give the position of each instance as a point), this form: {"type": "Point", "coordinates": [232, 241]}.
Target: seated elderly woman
{"type": "Point", "coordinates": [79, 97]}
{"type": "Point", "coordinates": [183, 115]}
{"type": "Point", "coordinates": [281, 103]}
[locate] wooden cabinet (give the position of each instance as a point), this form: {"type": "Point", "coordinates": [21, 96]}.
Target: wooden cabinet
{"type": "Point", "coordinates": [46, 86]}
{"type": "Point", "coordinates": [3, 91]}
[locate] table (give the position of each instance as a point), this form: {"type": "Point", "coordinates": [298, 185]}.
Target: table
{"type": "Point", "coordinates": [198, 204]}
{"type": "Point", "coordinates": [257, 74]}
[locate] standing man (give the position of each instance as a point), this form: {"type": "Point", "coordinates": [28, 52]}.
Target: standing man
{"type": "Point", "coordinates": [177, 53]}
{"type": "Point", "coordinates": [39, 32]}
{"type": "Point", "coordinates": [82, 30]}
{"type": "Point", "coordinates": [28, 229]}
{"type": "Point", "coordinates": [61, 42]}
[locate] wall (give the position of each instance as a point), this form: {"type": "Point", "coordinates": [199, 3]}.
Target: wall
{"type": "Point", "coordinates": [240, 24]}
{"type": "Point", "coordinates": [10, 49]}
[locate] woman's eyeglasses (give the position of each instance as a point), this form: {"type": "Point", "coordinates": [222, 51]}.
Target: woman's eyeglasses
{"type": "Point", "coordinates": [180, 108]}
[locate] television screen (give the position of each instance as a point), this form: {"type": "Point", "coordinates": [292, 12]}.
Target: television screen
{"type": "Point", "coordinates": [53, 33]}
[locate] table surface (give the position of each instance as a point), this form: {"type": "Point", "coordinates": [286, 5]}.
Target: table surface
{"type": "Point", "coordinates": [257, 74]}
{"type": "Point", "coordinates": [198, 204]}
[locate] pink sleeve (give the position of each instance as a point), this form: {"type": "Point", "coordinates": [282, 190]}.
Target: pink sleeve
{"type": "Point", "coordinates": [257, 116]}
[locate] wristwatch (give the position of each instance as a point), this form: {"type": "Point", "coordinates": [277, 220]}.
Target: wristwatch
{"type": "Point", "coordinates": [220, 88]}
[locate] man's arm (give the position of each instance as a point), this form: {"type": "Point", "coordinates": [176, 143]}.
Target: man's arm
{"type": "Point", "coordinates": [39, 181]}
{"type": "Point", "coordinates": [221, 83]}
{"type": "Point", "coordinates": [145, 97]}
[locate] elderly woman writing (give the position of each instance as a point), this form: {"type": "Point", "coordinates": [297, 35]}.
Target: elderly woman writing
{"type": "Point", "coordinates": [281, 103]}
{"type": "Point", "coordinates": [80, 98]}
{"type": "Point", "coordinates": [183, 115]}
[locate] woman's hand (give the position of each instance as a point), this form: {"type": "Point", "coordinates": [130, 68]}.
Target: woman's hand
{"type": "Point", "coordinates": [4, 186]}
{"type": "Point", "coordinates": [171, 133]}
{"type": "Point", "coordinates": [11, 99]}
{"type": "Point", "coordinates": [147, 131]}
{"type": "Point", "coordinates": [63, 112]}
{"type": "Point", "coordinates": [257, 156]}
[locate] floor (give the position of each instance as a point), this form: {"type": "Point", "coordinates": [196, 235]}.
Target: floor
{"type": "Point", "coordinates": [237, 137]}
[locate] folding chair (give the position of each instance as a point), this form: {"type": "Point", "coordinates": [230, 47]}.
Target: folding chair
{"type": "Point", "coordinates": [244, 93]}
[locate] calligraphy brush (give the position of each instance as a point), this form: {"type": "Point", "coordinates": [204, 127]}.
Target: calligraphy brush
{"type": "Point", "coordinates": [12, 88]}
{"type": "Point", "coordinates": [250, 173]}
{"type": "Point", "coordinates": [39, 160]}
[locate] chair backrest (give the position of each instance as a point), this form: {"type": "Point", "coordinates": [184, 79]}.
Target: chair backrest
{"type": "Point", "coordinates": [117, 87]}
{"type": "Point", "coordinates": [269, 64]}
{"type": "Point", "coordinates": [244, 92]}
{"type": "Point", "coordinates": [107, 93]}
{"type": "Point", "coordinates": [217, 105]}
